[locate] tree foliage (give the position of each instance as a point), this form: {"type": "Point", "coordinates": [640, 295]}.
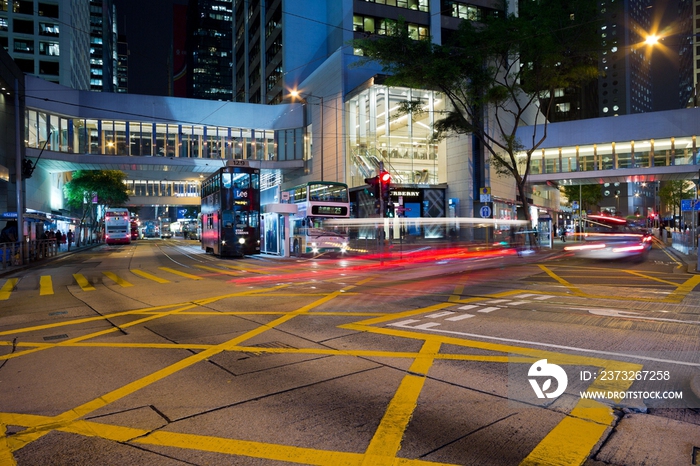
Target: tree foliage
{"type": "Point", "coordinates": [95, 187]}
{"type": "Point", "coordinates": [497, 74]}
{"type": "Point", "coordinates": [589, 196]}
{"type": "Point", "coordinates": [671, 193]}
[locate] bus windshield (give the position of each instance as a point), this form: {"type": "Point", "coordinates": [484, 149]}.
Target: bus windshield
{"type": "Point", "coordinates": [328, 192]}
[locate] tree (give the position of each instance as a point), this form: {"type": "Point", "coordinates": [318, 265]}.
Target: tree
{"type": "Point", "coordinates": [88, 188]}
{"type": "Point", "coordinates": [589, 195]}
{"type": "Point", "coordinates": [498, 75]}
{"type": "Point", "coordinates": [672, 193]}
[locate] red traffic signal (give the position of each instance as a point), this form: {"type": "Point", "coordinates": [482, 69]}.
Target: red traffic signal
{"type": "Point", "coordinates": [385, 177]}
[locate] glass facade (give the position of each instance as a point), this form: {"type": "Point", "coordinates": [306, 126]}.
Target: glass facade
{"type": "Point", "coordinates": [378, 132]}
{"type": "Point", "coordinates": [615, 155]}
{"type": "Point", "coordinates": [138, 138]}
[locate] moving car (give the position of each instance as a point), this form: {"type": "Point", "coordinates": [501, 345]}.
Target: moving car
{"type": "Point", "coordinates": [608, 237]}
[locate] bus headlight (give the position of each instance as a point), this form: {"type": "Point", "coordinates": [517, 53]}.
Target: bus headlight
{"type": "Point", "coordinates": [344, 247]}
{"type": "Point", "coordinates": [241, 240]}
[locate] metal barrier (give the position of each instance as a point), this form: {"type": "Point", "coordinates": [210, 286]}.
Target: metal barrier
{"type": "Point", "coordinates": [683, 242]}
{"type": "Point", "coordinates": [34, 250]}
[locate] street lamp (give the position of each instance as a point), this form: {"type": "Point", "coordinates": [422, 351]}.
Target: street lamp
{"type": "Point", "coordinates": [297, 95]}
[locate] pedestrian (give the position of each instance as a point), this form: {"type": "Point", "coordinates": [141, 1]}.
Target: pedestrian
{"type": "Point", "coordinates": [69, 236]}
{"type": "Point", "coordinates": [562, 234]}
{"type": "Point", "coordinates": [59, 239]}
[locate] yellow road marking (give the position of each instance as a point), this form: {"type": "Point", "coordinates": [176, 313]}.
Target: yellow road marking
{"type": "Point", "coordinates": [83, 282]}
{"type": "Point", "coordinates": [117, 280]}
{"type": "Point", "coordinates": [7, 288]}
{"type": "Point", "coordinates": [147, 275]}
{"type": "Point", "coordinates": [386, 441]}
{"type": "Point", "coordinates": [588, 421]}
{"type": "Point", "coordinates": [45, 285]}
{"type": "Point", "coordinates": [182, 274]}
{"type": "Point", "coordinates": [244, 268]}
{"type": "Point", "coordinates": [682, 291]}
{"type": "Point", "coordinates": [575, 290]}
{"type": "Point", "coordinates": [214, 269]}
{"type": "Point", "coordinates": [634, 272]}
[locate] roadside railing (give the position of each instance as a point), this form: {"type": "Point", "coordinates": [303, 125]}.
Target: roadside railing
{"type": "Point", "coordinates": [34, 250]}
{"type": "Point", "coordinates": [683, 242]}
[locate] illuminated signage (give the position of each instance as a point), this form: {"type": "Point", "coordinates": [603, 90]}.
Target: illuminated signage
{"type": "Point", "coordinates": [405, 193]}
{"type": "Point", "coordinates": [329, 210]}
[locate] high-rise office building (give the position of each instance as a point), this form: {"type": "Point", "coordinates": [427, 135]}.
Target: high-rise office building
{"type": "Point", "coordinates": [122, 65]}
{"type": "Point", "coordinates": [209, 50]}
{"type": "Point", "coordinates": [625, 82]}
{"type": "Point", "coordinates": [103, 46]}
{"type": "Point", "coordinates": [688, 53]}
{"type": "Point", "coordinates": [49, 39]}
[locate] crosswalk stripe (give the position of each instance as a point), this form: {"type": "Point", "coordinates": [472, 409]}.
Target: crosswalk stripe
{"type": "Point", "coordinates": [7, 288]}
{"type": "Point", "coordinates": [214, 269]}
{"type": "Point", "coordinates": [488, 309]}
{"type": "Point", "coordinates": [426, 326]}
{"type": "Point", "coordinates": [83, 282]}
{"type": "Point", "coordinates": [147, 275]}
{"type": "Point", "coordinates": [440, 314]}
{"type": "Point", "coordinates": [460, 317]}
{"type": "Point", "coordinates": [467, 307]}
{"type": "Point", "coordinates": [182, 274]}
{"type": "Point", "coordinates": [119, 281]}
{"type": "Point", "coordinates": [45, 285]}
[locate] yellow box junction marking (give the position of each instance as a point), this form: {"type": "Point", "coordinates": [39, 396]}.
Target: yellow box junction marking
{"type": "Point", "coordinates": [45, 285]}
{"type": "Point", "coordinates": [7, 288]}
{"type": "Point", "coordinates": [117, 280]}
{"type": "Point", "coordinates": [589, 420]}
{"type": "Point", "coordinates": [147, 275]}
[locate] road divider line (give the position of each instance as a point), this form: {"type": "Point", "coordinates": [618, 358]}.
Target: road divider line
{"type": "Point", "coordinates": [7, 288]}
{"type": "Point", "coordinates": [119, 281]}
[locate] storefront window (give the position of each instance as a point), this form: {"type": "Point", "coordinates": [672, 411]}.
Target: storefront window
{"type": "Point", "coordinates": [379, 132]}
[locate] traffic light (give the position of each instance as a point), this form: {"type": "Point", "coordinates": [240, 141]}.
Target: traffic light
{"type": "Point", "coordinates": [389, 210]}
{"type": "Point", "coordinates": [385, 182]}
{"type": "Point", "coordinates": [27, 169]}
{"type": "Point", "coordinates": [373, 184]}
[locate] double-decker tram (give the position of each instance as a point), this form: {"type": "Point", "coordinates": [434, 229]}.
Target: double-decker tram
{"type": "Point", "coordinates": [231, 211]}
{"type": "Point", "coordinates": [117, 226]}
{"type": "Point", "coordinates": [318, 201]}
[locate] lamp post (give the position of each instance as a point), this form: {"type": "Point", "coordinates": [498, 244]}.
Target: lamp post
{"type": "Point", "coordinates": [297, 95]}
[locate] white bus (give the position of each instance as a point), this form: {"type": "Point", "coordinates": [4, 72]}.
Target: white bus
{"type": "Point", "coordinates": [117, 226]}
{"type": "Point", "coordinates": [316, 202]}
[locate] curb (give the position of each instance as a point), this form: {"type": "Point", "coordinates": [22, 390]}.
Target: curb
{"type": "Point", "coordinates": [20, 268]}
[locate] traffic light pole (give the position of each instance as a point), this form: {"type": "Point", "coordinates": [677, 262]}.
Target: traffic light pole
{"type": "Point", "coordinates": [381, 215]}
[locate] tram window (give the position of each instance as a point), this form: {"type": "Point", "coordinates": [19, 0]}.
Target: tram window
{"type": "Point", "coordinates": [226, 180]}
{"type": "Point", "coordinates": [241, 180]}
{"type": "Point", "coordinates": [227, 218]}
